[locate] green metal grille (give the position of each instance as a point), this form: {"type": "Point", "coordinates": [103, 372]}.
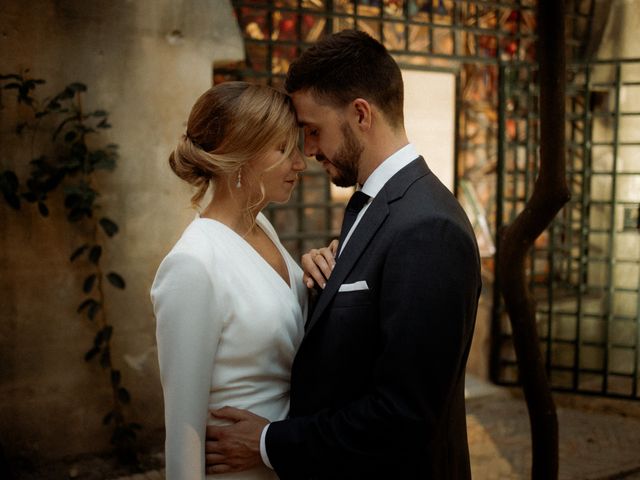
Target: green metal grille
{"type": "Point", "coordinates": [585, 269]}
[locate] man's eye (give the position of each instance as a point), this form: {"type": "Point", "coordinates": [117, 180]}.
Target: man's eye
{"type": "Point", "coordinates": [313, 132]}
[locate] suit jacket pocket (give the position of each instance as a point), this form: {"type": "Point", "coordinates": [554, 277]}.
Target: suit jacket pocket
{"type": "Point", "coordinates": [357, 298]}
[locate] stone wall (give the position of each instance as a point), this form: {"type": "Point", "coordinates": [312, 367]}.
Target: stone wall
{"type": "Point", "coordinates": [145, 62]}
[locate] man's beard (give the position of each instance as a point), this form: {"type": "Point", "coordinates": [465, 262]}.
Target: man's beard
{"type": "Point", "coordinates": [346, 158]}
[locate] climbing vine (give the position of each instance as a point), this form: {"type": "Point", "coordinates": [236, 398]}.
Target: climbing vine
{"type": "Point", "coordinates": [70, 161]}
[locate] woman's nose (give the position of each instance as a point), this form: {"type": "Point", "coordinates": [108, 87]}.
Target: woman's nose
{"type": "Point", "coordinates": [299, 163]}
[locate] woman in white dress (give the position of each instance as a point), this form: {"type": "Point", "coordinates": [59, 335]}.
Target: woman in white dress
{"type": "Point", "coordinates": [228, 299]}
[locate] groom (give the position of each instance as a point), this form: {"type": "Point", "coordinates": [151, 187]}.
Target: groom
{"type": "Point", "coordinates": [377, 386]}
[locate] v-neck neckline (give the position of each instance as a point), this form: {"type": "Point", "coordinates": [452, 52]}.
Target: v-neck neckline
{"type": "Point", "coordinates": [259, 222]}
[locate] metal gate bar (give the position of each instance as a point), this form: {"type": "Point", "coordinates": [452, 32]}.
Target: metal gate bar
{"type": "Point", "coordinates": [588, 309]}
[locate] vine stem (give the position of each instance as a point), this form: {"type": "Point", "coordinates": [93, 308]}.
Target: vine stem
{"type": "Point", "coordinates": [117, 408]}
{"type": "Point", "coordinates": [102, 316]}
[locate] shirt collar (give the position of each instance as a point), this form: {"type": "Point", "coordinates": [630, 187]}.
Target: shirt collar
{"type": "Point", "coordinates": [388, 168]}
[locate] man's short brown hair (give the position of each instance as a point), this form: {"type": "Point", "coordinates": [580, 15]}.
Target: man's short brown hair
{"type": "Point", "coordinates": [347, 65]}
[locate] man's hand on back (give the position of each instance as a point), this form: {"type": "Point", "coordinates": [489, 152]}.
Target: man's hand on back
{"type": "Point", "coordinates": [236, 447]}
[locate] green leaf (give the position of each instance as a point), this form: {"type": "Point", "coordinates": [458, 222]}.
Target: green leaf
{"type": "Point", "coordinates": [30, 197]}
{"type": "Point", "coordinates": [109, 226]}
{"type": "Point", "coordinates": [106, 420]}
{"type": "Point", "coordinates": [95, 253]}
{"type": "Point", "coordinates": [103, 335]}
{"type": "Point", "coordinates": [91, 353]}
{"type": "Point", "coordinates": [20, 127]}
{"type": "Point", "coordinates": [115, 377]}
{"type": "Point", "coordinates": [77, 87]}
{"type": "Point", "coordinates": [30, 84]}
{"type": "Point", "coordinates": [65, 94]}
{"type": "Point", "coordinates": [123, 395]}
{"type": "Point", "coordinates": [104, 124]}
{"type": "Point", "coordinates": [42, 208]}
{"type": "Point", "coordinates": [13, 200]}
{"type": "Point", "coordinates": [107, 332]}
{"type": "Point", "coordinates": [94, 308]}
{"type": "Point", "coordinates": [70, 164]}
{"type": "Point", "coordinates": [116, 280]}
{"type": "Point", "coordinates": [103, 159]}
{"type": "Point", "coordinates": [105, 358]}
{"type": "Point", "coordinates": [78, 251]}
{"type": "Point", "coordinates": [70, 136]}
{"type": "Point", "coordinates": [14, 76]}
{"type": "Point", "coordinates": [79, 199]}
{"type": "Point", "coordinates": [87, 286]}
{"type": "Point", "coordinates": [9, 181]}
{"type": "Point", "coordinates": [9, 188]}
{"type": "Point", "coordinates": [62, 125]}
{"type": "Point", "coordinates": [85, 304]}
{"type": "Point", "coordinates": [123, 437]}
{"type": "Point", "coordinates": [76, 214]}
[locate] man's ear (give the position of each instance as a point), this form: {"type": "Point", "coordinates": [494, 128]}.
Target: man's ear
{"type": "Point", "coordinates": [362, 110]}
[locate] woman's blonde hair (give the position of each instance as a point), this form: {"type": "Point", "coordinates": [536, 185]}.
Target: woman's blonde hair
{"type": "Point", "coordinates": [230, 124]}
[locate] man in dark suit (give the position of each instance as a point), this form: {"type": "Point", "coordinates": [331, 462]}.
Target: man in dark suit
{"type": "Point", "coordinates": [377, 386]}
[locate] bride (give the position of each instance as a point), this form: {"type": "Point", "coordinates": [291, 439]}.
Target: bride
{"type": "Point", "coordinates": [229, 300]}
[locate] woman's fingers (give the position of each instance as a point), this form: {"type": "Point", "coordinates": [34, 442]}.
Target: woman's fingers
{"type": "Point", "coordinates": [318, 264]}
{"type": "Point", "coordinates": [333, 247]}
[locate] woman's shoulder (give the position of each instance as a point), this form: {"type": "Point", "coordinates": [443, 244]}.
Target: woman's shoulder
{"type": "Point", "coordinates": [202, 235]}
{"type": "Point", "coordinates": [199, 243]}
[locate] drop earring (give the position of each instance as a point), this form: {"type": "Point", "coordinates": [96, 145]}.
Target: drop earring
{"type": "Point", "coordinates": [239, 180]}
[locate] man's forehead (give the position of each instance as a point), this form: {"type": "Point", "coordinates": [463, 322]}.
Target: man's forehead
{"type": "Point", "coordinates": [308, 110]}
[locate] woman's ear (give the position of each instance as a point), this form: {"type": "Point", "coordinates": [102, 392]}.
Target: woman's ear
{"type": "Point", "coordinates": [362, 110]}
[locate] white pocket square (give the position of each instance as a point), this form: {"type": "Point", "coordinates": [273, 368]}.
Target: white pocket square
{"type": "Point", "coordinates": [352, 287]}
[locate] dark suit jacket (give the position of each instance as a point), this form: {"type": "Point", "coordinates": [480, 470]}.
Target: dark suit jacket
{"type": "Point", "coordinates": [377, 386]}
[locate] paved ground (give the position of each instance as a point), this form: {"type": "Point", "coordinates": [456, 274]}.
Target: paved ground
{"type": "Point", "coordinates": [599, 439]}
{"type": "Point", "coordinates": [593, 445]}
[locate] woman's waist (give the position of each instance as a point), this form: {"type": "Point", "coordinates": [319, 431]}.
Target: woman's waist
{"type": "Point", "coordinates": [271, 405]}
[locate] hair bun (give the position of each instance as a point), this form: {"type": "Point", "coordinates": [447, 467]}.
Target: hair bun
{"type": "Point", "coordinates": [189, 162]}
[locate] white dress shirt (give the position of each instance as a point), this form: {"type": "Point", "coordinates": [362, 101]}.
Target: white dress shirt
{"type": "Point", "coordinates": [372, 186]}
{"type": "Point", "coordinates": [380, 177]}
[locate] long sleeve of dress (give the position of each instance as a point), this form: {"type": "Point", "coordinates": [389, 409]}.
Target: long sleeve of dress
{"type": "Point", "coordinates": [188, 331]}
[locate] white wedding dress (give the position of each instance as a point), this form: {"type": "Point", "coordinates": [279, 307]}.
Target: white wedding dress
{"type": "Point", "coordinates": [228, 327]}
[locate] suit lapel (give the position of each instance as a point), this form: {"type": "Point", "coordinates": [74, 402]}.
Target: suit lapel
{"type": "Point", "coordinates": [369, 224]}
{"type": "Point", "coordinates": [362, 235]}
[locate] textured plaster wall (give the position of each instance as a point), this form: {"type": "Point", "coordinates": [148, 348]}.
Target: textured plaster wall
{"type": "Point", "coordinates": [144, 61]}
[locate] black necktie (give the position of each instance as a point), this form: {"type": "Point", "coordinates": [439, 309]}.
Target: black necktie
{"type": "Point", "coordinates": [356, 202]}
